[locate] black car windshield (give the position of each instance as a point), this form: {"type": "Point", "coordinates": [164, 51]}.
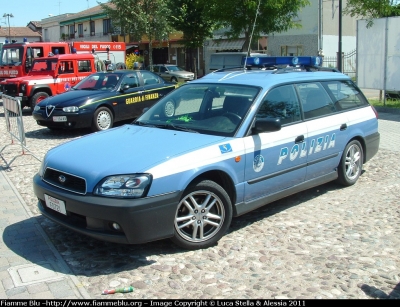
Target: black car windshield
{"type": "Point", "coordinates": [98, 81]}
{"type": "Point", "coordinates": [202, 108]}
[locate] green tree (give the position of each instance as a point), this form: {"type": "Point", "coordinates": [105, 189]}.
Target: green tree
{"type": "Point", "coordinates": [247, 17]}
{"type": "Point", "coordinates": [140, 18]}
{"type": "Point", "coordinates": [193, 19]}
{"type": "Point", "coordinates": [371, 9]}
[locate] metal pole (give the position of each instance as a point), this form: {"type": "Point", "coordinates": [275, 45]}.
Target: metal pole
{"type": "Point", "coordinates": [9, 29]}
{"type": "Point", "coordinates": [339, 57]}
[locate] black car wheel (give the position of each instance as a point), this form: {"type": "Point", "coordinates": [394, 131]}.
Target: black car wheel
{"type": "Point", "coordinates": [350, 166]}
{"type": "Point", "coordinates": [203, 216]}
{"type": "Point", "coordinates": [102, 119]}
{"type": "Point", "coordinates": [174, 79]}
{"type": "Point", "coordinates": [38, 97]}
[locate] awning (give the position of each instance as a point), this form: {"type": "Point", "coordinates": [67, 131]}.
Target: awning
{"type": "Point", "coordinates": [225, 44]}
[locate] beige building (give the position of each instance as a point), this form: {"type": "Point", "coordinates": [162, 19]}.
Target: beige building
{"type": "Point", "coordinates": [320, 30]}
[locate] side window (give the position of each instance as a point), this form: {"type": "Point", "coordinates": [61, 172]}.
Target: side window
{"type": "Point", "coordinates": [163, 69]}
{"type": "Point", "coordinates": [58, 50]}
{"type": "Point", "coordinates": [315, 100]}
{"type": "Point", "coordinates": [155, 68]}
{"type": "Point", "coordinates": [282, 103]}
{"type": "Point", "coordinates": [66, 67]}
{"type": "Point", "coordinates": [84, 66]}
{"type": "Point", "coordinates": [346, 95]}
{"type": "Point", "coordinates": [130, 80]}
{"type": "Point", "coordinates": [38, 52]}
{"type": "Point", "coordinates": [149, 78]}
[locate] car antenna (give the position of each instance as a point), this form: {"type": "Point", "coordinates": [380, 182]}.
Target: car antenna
{"type": "Point", "coordinates": [251, 36]}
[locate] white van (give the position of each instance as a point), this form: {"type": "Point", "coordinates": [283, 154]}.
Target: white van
{"type": "Point", "coordinates": [222, 60]}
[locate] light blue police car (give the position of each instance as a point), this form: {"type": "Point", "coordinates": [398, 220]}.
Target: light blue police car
{"type": "Point", "coordinates": [212, 149]}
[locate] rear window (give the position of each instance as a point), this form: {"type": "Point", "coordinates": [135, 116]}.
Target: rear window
{"type": "Point", "coordinates": [346, 95]}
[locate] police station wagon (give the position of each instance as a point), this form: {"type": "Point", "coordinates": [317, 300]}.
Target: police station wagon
{"type": "Point", "coordinates": [210, 150]}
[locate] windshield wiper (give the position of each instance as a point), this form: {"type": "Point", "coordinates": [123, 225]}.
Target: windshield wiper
{"type": "Point", "coordinates": [145, 124]}
{"type": "Point", "coordinates": [87, 88]}
{"type": "Point", "coordinates": [181, 128]}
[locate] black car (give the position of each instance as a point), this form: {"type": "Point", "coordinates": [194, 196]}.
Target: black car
{"type": "Point", "coordinates": [101, 99]}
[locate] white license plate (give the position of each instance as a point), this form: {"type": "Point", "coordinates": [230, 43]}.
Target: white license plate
{"type": "Point", "coordinates": [59, 118]}
{"type": "Point", "coordinates": [55, 204]}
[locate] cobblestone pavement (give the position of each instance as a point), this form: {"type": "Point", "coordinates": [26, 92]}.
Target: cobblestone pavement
{"type": "Point", "coordinates": [326, 242]}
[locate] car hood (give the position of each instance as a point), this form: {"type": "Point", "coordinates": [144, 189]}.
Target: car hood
{"type": "Point", "coordinates": [73, 98]}
{"type": "Point", "coordinates": [123, 150]}
{"type": "Point", "coordinates": [30, 79]}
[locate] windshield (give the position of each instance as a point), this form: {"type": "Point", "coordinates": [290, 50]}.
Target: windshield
{"type": "Point", "coordinates": [44, 65]}
{"type": "Point", "coordinates": [11, 56]}
{"type": "Point", "coordinates": [202, 108]}
{"type": "Point", "coordinates": [175, 68]}
{"type": "Point", "coordinates": [99, 81]}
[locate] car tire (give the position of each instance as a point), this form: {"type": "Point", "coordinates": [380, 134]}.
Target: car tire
{"type": "Point", "coordinates": [174, 79]}
{"type": "Point", "coordinates": [38, 97]}
{"type": "Point", "coordinates": [203, 215]}
{"type": "Point", "coordinates": [351, 163]}
{"type": "Point", "coordinates": [120, 65]}
{"type": "Point", "coordinates": [102, 119]}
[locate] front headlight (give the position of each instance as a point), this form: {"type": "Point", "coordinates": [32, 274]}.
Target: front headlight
{"type": "Point", "coordinates": [37, 108]}
{"type": "Point", "coordinates": [125, 186]}
{"type": "Point", "coordinates": [70, 109]}
{"type": "Point", "coordinates": [41, 168]}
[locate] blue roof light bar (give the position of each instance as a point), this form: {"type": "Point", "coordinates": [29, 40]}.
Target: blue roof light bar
{"type": "Point", "coordinates": [284, 60]}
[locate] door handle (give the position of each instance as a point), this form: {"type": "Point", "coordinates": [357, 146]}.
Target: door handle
{"type": "Point", "coordinates": [299, 139]}
{"type": "Point", "coordinates": [343, 127]}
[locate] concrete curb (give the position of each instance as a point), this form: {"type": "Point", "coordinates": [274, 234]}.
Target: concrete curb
{"type": "Point", "coordinates": [62, 264]}
{"type": "Point", "coordinates": [387, 110]}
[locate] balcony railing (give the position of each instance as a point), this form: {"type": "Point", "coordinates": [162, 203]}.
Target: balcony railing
{"type": "Point", "coordinates": [89, 36]}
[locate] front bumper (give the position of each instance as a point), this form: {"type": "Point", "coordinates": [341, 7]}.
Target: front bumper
{"type": "Point", "coordinates": [141, 220]}
{"type": "Point", "coordinates": [83, 119]}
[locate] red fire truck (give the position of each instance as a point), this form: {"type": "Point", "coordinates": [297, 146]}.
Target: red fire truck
{"type": "Point", "coordinates": [16, 58]}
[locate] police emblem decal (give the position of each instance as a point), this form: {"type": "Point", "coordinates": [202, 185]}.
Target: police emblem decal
{"type": "Point", "coordinates": [258, 163]}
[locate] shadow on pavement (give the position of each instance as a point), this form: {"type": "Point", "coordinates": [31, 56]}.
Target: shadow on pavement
{"type": "Point", "coordinates": [90, 257]}
{"type": "Point", "coordinates": [377, 293]}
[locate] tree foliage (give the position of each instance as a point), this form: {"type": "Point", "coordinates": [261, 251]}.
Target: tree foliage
{"type": "Point", "coordinates": [193, 19]}
{"type": "Point", "coordinates": [372, 9]}
{"type": "Point", "coordinates": [131, 59]}
{"type": "Point", "coordinates": [256, 16]}
{"type": "Point", "coordinates": [140, 18]}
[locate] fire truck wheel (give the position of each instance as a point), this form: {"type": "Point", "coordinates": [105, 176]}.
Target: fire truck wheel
{"type": "Point", "coordinates": [38, 97]}
{"type": "Point", "coordinates": [120, 65]}
{"type": "Point", "coordinates": [102, 119]}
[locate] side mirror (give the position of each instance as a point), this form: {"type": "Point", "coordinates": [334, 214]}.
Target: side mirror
{"type": "Point", "coordinates": [266, 125]}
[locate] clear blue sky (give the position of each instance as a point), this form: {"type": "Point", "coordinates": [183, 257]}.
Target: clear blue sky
{"type": "Point", "coordinates": [25, 11]}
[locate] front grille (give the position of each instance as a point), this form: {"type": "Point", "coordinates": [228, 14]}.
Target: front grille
{"type": "Point", "coordinates": [10, 89]}
{"type": "Point", "coordinates": [65, 181]}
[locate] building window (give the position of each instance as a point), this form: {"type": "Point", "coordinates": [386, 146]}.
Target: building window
{"type": "Point", "coordinates": [92, 28]}
{"type": "Point", "coordinates": [80, 30]}
{"type": "Point", "coordinates": [291, 50]}
{"type": "Point", "coordinates": [106, 26]}
{"type": "Point", "coordinates": [72, 31]}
